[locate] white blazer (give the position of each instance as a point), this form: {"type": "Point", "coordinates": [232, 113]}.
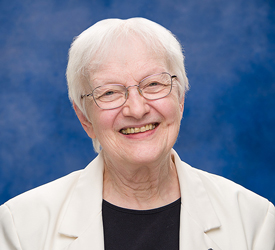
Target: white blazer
{"type": "Point", "coordinates": [66, 214]}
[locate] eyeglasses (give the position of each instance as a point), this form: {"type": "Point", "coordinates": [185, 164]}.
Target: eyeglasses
{"type": "Point", "coordinates": [111, 96]}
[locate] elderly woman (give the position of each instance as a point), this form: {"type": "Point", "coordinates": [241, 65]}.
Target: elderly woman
{"type": "Point", "coordinates": [127, 81]}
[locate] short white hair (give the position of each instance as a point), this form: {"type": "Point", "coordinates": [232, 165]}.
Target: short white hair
{"type": "Point", "coordinates": [92, 46]}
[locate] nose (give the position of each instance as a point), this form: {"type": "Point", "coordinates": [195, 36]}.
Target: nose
{"type": "Point", "coordinates": [136, 105]}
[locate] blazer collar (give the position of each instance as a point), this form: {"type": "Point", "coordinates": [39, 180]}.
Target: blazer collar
{"type": "Point", "coordinates": [198, 216]}
{"type": "Point", "coordinates": [83, 220]}
{"type": "Point", "coordinates": [194, 197]}
{"type": "Point", "coordinates": [84, 206]}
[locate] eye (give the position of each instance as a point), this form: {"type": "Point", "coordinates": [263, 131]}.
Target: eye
{"type": "Point", "coordinates": [108, 93]}
{"type": "Point", "coordinates": [152, 84]}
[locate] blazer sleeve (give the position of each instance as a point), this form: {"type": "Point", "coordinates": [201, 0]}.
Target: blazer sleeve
{"type": "Point", "coordinates": [265, 238]}
{"type": "Point", "coordinates": [8, 236]}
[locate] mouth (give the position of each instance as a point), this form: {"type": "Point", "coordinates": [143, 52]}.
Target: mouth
{"type": "Point", "coordinates": [135, 130]}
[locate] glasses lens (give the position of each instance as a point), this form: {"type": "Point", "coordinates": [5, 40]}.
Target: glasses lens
{"type": "Point", "coordinates": [156, 86]}
{"type": "Point", "coordinates": [110, 96]}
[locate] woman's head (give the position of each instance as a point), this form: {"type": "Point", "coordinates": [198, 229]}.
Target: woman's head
{"type": "Point", "coordinates": [92, 48]}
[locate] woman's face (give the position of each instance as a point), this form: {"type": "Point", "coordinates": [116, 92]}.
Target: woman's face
{"type": "Point", "coordinates": [128, 65]}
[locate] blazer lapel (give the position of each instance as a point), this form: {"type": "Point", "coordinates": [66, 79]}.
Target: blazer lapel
{"type": "Point", "coordinates": [198, 216]}
{"type": "Point", "coordinates": [82, 219]}
{"type": "Point", "coordinates": [91, 239]}
{"type": "Point", "coordinates": [192, 235]}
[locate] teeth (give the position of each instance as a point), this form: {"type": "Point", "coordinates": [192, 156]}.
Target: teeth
{"type": "Point", "coordinates": [138, 130]}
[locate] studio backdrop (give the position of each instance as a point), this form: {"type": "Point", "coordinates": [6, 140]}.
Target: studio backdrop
{"type": "Point", "coordinates": [229, 119]}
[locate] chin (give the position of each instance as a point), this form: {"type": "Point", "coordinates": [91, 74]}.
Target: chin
{"type": "Point", "coordinates": [148, 155]}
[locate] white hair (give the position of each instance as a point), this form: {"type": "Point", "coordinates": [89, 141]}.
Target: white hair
{"type": "Point", "coordinates": [92, 46]}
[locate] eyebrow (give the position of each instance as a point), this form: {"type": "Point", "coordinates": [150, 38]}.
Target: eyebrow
{"type": "Point", "coordinates": [105, 81]}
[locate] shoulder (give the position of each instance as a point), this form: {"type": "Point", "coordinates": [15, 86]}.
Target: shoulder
{"type": "Point", "coordinates": [43, 204]}
{"type": "Point", "coordinates": [35, 212]}
{"type": "Point", "coordinates": [241, 210]}
{"type": "Point", "coordinates": [47, 193]}
{"type": "Point", "coordinates": [218, 187]}
{"type": "Point", "coordinates": [243, 215]}
{"type": "Point", "coordinates": [58, 191]}
{"type": "Point", "coordinates": [234, 205]}
{"type": "Point", "coordinates": [33, 219]}
{"type": "Point", "coordinates": [229, 191]}
{"type": "Point", "coordinates": [232, 195]}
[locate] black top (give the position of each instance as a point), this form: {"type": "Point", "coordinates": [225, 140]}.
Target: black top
{"type": "Point", "coordinates": [141, 229]}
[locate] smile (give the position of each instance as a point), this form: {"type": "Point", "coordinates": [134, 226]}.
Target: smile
{"type": "Point", "coordinates": [142, 129]}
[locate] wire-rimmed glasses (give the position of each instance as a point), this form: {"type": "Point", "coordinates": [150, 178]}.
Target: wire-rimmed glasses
{"type": "Point", "coordinates": [153, 87]}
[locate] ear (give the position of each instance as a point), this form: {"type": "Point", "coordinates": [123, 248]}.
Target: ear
{"type": "Point", "coordinates": [182, 104]}
{"type": "Point", "coordinates": [87, 126]}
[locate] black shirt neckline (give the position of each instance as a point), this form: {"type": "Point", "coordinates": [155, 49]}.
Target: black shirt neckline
{"type": "Point", "coordinates": [135, 211]}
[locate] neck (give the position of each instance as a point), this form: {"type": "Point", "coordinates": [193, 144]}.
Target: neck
{"type": "Point", "coordinates": [142, 186]}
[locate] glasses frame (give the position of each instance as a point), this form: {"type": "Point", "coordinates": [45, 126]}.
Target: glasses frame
{"type": "Point", "coordinates": [127, 91]}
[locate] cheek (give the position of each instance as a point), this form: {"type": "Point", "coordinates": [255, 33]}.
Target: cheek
{"type": "Point", "coordinates": [103, 120]}
{"type": "Point", "coordinates": [170, 109]}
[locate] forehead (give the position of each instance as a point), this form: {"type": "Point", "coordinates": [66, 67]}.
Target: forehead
{"type": "Point", "coordinates": [128, 59]}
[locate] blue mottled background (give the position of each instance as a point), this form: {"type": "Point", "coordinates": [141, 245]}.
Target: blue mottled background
{"type": "Point", "coordinates": [229, 120]}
